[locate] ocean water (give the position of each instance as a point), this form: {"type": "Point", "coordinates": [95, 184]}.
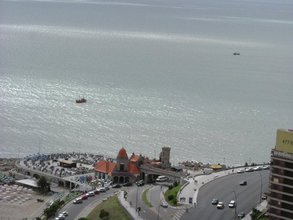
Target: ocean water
{"type": "Point", "coordinates": [155, 73]}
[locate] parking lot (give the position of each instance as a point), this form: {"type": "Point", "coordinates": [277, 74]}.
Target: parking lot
{"type": "Point", "coordinates": [18, 202]}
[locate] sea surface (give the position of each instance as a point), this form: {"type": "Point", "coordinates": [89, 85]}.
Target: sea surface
{"type": "Point", "coordinates": [155, 73]}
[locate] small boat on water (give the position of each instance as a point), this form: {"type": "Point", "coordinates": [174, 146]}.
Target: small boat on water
{"type": "Point", "coordinates": [82, 100]}
{"type": "Point", "coordinates": [236, 53]}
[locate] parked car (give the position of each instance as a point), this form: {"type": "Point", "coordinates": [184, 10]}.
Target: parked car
{"type": "Point", "coordinates": [91, 194]}
{"type": "Point", "coordinates": [140, 183]}
{"type": "Point", "coordinates": [241, 215]}
{"type": "Point", "coordinates": [257, 168]}
{"type": "Point", "coordinates": [84, 197]}
{"type": "Point", "coordinates": [264, 197]}
{"type": "Point", "coordinates": [243, 183]}
{"type": "Point", "coordinates": [96, 191]}
{"type": "Point", "coordinates": [249, 169]}
{"type": "Point", "coordinates": [77, 201]}
{"type": "Point", "coordinates": [116, 186]}
{"type": "Point", "coordinates": [215, 201]}
{"type": "Point", "coordinates": [232, 204]}
{"type": "Point", "coordinates": [64, 213]}
{"type": "Point", "coordinates": [127, 184]}
{"type": "Point", "coordinates": [220, 205]}
{"type": "Point", "coordinates": [240, 171]}
{"type": "Point", "coordinates": [102, 189]}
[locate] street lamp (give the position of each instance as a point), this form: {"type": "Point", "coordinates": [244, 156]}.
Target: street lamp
{"type": "Point", "coordinates": [136, 198]}
{"type": "Point", "coordinates": [235, 210]}
{"type": "Point", "coordinates": [260, 186]}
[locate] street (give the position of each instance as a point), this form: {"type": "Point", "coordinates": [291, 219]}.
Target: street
{"type": "Point", "coordinates": [226, 189]}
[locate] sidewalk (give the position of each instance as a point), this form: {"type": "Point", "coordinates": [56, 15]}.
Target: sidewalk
{"type": "Point", "coordinates": [262, 206]}
{"type": "Point", "coordinates": [127, 206]}
{"type": "Point", "coordinates": [188, 194]}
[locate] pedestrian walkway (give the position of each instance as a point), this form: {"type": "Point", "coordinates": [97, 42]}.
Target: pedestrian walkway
{"type": "Point", "coordinates": [261, 207]}
{"type": "Point", "coordinates": [127, 206]}
{"type": "Point", "coordinates": [178, 214]}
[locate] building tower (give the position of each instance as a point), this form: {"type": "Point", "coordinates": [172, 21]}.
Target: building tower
{"type": "Point", "coordinates": [122, 161]}
{"type": "Point", "coordinates": [280, 202]}
{"type": "Point", "coordinates": [165, 157]}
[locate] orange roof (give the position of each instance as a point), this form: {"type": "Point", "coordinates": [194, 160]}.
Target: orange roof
{"type": "Point", "coordinates": [122, 153]}
{"type": "Point", "coordinates": [133, 169]}
{"type": "Point", "coordinates": [104, 166]}
{"type": "Point", "coordinates": [134, 157]}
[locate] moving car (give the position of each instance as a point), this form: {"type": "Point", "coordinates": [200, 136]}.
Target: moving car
{"type": "Point", "coordinates": [243, 183]}
{"type": "Point", "coordinates": [232, 204]}
{"type": "Point", "coordinates": [220, 205]}
{"type": "Point", "coordinates": [164, 204]}
{"type": "Point", "coordinates": [161, 179]}
{"type": "Point", "coordinates": [241, 215]}
{"type": "Point", "coordinates": [215, 201]}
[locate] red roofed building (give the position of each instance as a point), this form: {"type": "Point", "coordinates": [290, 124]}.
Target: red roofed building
{"type": "Point", "coordinates": [104, 169]}
{"type": "Point", "coordinates": [124, 170]}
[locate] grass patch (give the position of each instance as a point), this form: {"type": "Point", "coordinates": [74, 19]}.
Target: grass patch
{"type": "Point", "coordinates": [145, 198]}
{"type": "Point", "coordinates": [171, 195]}
{"type": "Point", "coordinates": [112, 206]}
{"type": "Point", "coordinates": [71, 196]}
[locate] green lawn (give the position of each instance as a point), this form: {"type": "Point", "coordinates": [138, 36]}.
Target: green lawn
{"type": "Point", "coordinates": [112, 206]}
{"type": "Point", "coordinates": [171, 195]}
{"type": "Point", "coordinates": [145, 198]}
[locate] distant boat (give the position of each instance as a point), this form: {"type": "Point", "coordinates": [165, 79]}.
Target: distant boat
{"type": "Point", "coordinates": [236, 53]}
{"type": "Point", "coordinates": [82, 100]}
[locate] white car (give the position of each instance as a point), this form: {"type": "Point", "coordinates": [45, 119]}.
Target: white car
{"type": "Point", "coordinates": [257, 168]}
{"type": "Point", "coordinates": [102, 189]}
{"type": "Point", "coordinates": [64, 213]}
{"type": "Point", "coordinates": [232, 204]}
{"type": "Point", "coordinates": [240, 171]}
{"type": "Point", "coordinates": [220, 205]}
{"type": "Point", "coordinates": [164, 205]}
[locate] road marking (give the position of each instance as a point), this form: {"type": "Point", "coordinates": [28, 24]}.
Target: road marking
{"type": "Point", "coordinates": [178, 214]}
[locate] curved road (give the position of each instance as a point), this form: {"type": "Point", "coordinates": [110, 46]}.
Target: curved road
{"type": "Point", "coordinates": [226, 189]}
{"type": "Point", "coordinates": [75, 210]}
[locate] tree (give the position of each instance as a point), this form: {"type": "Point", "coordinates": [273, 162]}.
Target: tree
{"type": "Point", "coordinates": [104, 214]}
{"type": "Point", "coordinates": [43, 185]}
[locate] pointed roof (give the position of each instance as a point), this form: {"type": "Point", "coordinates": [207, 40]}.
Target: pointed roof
{"type": "Point", "coordinates": [133, 169]}
{"type": "Point", "coordinates": [122, 154]}
{"type": "Point", "coordinates": [134, 157]}
{"type": "Point", "coordinates": [104, 166]}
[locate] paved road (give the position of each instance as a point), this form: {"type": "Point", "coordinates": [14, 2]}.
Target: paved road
{"type": "Point", "coordinates": [76, 210]}
{"type": "Point", "coordinates": [155, 197]}
{"type": "Point", "coordinates": [135, 195]}
{"type": "Point", "coordinates": [223, 189]}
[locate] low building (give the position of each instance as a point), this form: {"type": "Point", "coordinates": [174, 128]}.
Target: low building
{"type": "Point", "coordinates": [123, 171]}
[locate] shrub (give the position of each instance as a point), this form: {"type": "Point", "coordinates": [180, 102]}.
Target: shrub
{"type": "Point", "coordinates": [170, 187]}
{"type": "Point", "coordinates": [170, 197]}
{"type": "Point", "coordinates": [104, 214]}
